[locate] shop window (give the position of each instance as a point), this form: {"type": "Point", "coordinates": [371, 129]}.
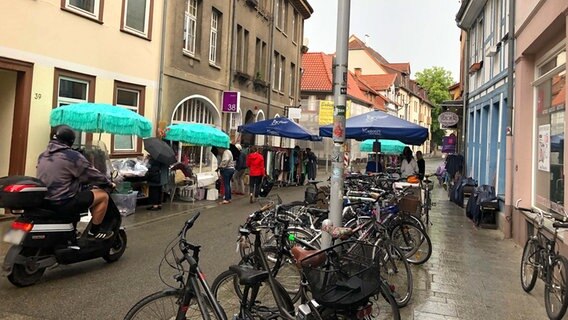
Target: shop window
{"type": "Point", "coordinates": [550, 110]}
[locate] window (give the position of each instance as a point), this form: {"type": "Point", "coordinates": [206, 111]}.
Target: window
{"type": "Point", "coordinates": [292, 88]}
{"type": "Point", "coordinates": [137, 17]}
{"type": "Point", "coordinates": [92, 9]}
{"type": "Point", "coordinates": [242, 49]}
{"type": "Point", "coordinates": [295, 26]}
{"type": "Point", "coordinates": [131, 97]}
{"type": "Point", "coordinates": [281, 73]}
{"type": "Point", "coordinates": [260, 60]}
{"type": "Point", "coordinates": [190, 27]}
{"type": "Point", "coordinates": [550, 108]}
{"type": "Point", "coordinates": [214, 36]}
{"type": "Point", "coordinates": [285, 17]}
{"type": "Point", "coordinates": [72, 87]}
{"type": "Point", "coordinates": [279, 14]}
{"type": "Point", "coordinates": [275, 69]}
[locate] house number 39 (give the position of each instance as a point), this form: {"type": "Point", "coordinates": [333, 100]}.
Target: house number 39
{"type": "Point", "coordinates": [37, 96]}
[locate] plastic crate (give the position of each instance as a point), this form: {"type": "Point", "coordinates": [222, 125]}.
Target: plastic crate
{"type": "Point", "coordinates": [126, 203]}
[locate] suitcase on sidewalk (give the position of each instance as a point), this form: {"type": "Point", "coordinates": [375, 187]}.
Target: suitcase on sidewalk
{"type": "Point", "coordinates": [265, 187]}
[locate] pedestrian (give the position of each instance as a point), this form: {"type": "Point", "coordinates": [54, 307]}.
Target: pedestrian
{"type": "Point", "coordinates": [240, 169]}
{"type": "Point", "coordinates": [312, 161]}
{"type": "Point", "coordinates": [255, 163]}
{"type": "Point", "coordinates": [157, 178]}
{"type": "Point", "coordinates": [408, 165]}
{"type": "Point", "coordinates": [373, 165]}
{"type": "Point", "coordinates": [421, 164]}
{"type": "Point", "coordinates": [227, 169]}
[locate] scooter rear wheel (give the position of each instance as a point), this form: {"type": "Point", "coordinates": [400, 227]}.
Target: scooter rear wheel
{"type": "Point", "coordinates": [22, 277]}
{"type": "Point", "coordinates": [118, 247]}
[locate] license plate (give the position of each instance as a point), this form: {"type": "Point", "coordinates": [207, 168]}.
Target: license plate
{"type": "Point", "coordinates": [14, 236]}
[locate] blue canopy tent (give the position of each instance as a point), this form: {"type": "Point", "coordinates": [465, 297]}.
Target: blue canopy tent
{"type": "Point", "coordinates": [380, 125]}
{"type": "Point", "coordinates": [280, 127]}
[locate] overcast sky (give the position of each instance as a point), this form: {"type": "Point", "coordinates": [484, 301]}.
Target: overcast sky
{"type": "Point", "coordinates": [422, 32]}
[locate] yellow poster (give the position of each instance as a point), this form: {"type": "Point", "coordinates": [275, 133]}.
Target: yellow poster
{"type": "Point", "coordinates": [326, 112]}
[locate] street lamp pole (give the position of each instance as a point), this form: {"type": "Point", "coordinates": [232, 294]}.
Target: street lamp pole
{"type": "Point", "coordinates": [339, 111]}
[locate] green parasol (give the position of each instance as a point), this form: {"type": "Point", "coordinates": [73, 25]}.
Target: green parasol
{"type": "Point", "coordinates": [387, 146]}
{"type": "Point", "coordinates": [197, 134]}
{"type": "Point", "coordinates": [98, 117]}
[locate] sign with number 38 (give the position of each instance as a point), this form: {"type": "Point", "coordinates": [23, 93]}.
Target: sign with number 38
{"type": "Point", "coordinates": [231, 101]}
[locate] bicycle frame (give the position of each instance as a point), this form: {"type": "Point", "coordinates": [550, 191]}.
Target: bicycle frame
{"type": "Point", "coordinates": [196, 281]}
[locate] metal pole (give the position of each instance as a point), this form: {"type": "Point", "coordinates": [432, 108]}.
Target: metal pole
{"type": "Point", "coordinates": [509, 138]}
{"type": "Point", "coordinates": [340, 95]}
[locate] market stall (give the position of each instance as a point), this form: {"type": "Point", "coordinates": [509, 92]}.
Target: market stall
{"type": "Point", "coordinates": [283, 164]}
{"type": "Point", "coordinates": [103, 118]}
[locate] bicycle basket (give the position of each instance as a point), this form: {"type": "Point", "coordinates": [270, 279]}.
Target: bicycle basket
{"type": "Point", "coordinates": [349, 275]}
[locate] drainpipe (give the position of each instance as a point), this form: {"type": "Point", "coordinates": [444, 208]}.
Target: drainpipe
{"type": "Point", "coordinates": [162, 59]}
{"type": "Point", "coordinates": [465, 98]}
{"type": "Point", "coordinates": [509, 160]}
{"type": "Point", "coordinates": [270, 58]}
{"type": "Point", "coordinates": [232, 56]}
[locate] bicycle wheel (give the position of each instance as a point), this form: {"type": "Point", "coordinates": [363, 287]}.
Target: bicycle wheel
{"type": "Point", "coordinates": [555, 291]}
{"type": "Point", "coordinates": [413, 241]}
{"type": "Point", "coordinates": [529, 265]}
{"type": "Point", "coordinates": [228, 291]}
{"type": "Point", "coordinates": [395, 270]}
{"type": "Point", "coordinates": [164, 305]}
{"type": "Point", "coordinates": [384, 305]}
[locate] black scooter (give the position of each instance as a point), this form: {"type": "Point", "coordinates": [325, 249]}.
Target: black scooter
{"type": "Point", "coordinates": [41, 240]}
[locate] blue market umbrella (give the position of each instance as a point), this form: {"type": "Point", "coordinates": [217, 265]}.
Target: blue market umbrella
{"type": "Point", "coordinates": [197, 134]}
{"type": "Point", "coordinates": [387, 146]}
{"type": "Point", "coordinates": [380, 125]}
{"type": "Point", "coordinates": [280, 127]}
{"type": "Point", "coordinates": [99, 117]}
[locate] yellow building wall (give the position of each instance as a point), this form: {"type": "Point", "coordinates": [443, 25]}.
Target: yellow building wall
{"type": "Point", "coordinates": [360, 59]}
{"type": "Point", "coordinates": [77, 44]}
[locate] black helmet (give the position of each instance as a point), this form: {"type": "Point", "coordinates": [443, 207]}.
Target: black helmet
{"type": "Point", "coordinates": [63, 134]}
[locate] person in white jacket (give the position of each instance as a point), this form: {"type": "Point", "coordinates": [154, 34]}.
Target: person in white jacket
{"type": "Point", "coordinates": [408, 166]}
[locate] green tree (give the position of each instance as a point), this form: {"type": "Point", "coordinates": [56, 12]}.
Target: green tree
{"type": "Point", "coordinates": [436, 81]}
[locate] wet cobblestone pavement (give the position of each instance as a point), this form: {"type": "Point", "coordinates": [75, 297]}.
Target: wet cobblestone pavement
{"type": "Point", "coordinates": [473, 273]}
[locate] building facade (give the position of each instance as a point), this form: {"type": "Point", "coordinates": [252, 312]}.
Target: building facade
{"type": "Point", "coordinates": [486, 25]}
{"type": "Point", "coordinates": [537, 178]}
{"type": "Point", "coordinates": [252, 47]}
{"type": "Point", "coordinates": [318, 100]}
{"type": "Point", "coordinates": [58, 52]}
{"type": "Point", "coordinates": [393, 81]}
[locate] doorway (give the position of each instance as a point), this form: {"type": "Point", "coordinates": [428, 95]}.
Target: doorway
{"type": "Point", "coordinates": [15, 99]}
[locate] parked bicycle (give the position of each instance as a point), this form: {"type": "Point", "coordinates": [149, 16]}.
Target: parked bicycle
{"type": "Point", "coordinates": [191, 299]}
{"type": "Point", "coordinates": [243, 289]}
{"type": "Point", "coordinates": [541, 259]}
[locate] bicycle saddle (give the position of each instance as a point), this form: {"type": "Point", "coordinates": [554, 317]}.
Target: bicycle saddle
{"type": "Point", "coordinates": [248, 275]}
{"type": "Point", "coordinates": [307, 258]}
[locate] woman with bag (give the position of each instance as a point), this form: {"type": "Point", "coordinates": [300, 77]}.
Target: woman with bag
{"type": "Point", "coordinates": [255, 163]}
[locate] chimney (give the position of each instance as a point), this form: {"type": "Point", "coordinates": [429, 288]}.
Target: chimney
{"type": "Point", "coordinates": [358, 72]}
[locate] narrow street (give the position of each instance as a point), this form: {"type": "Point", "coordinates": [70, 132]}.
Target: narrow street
{"type": "Point", "coordinates": [472, 274]}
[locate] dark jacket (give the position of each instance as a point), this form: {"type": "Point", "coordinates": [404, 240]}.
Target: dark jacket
{"type": "Point", "coordinates": [64, 170]}
{"type": "Point", "coordinates": [158, 173]}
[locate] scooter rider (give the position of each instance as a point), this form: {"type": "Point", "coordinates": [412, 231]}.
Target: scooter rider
{"type": "Point", "coordinates": [64, 170]}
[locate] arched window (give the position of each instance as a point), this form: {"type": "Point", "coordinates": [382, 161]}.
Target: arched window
{"type": "Point", "coordinates": [197, 109]}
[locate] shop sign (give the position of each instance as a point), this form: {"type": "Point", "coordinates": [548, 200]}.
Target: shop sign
{"type": "Point", "coordinates": [448, 119]}
{"type": "Point", "coordinates": [231, 101]}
